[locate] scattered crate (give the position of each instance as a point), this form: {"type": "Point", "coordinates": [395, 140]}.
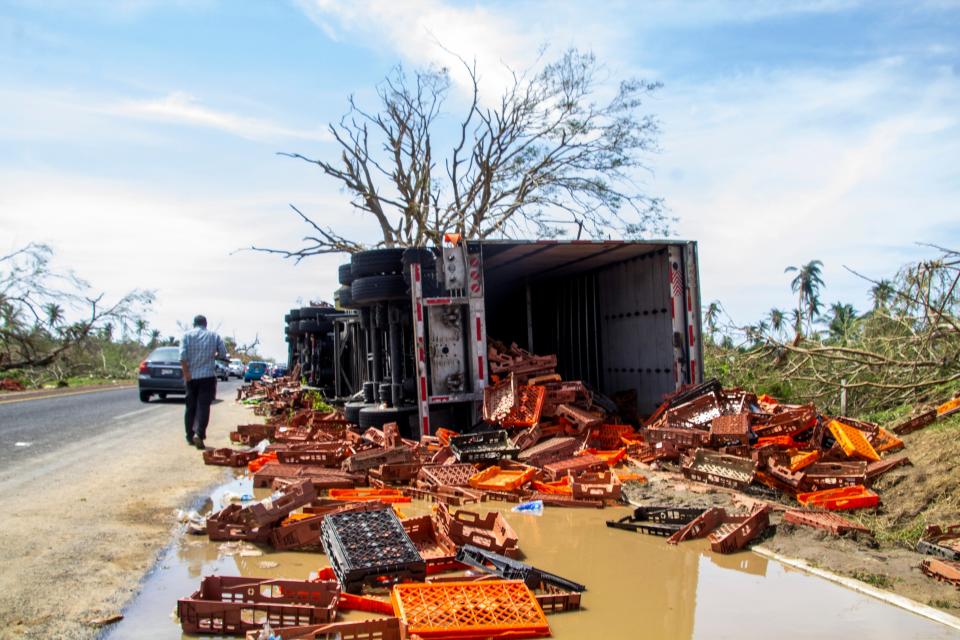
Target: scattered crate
{"type": "Point", "coordinates": [510, 569]}
{"type": "Point", "coordinates": [227, 457]}
{"type": "Point", "coordinates": [658, 521]}
{"type": "Point", "coordinates": [915, 423]}
{"type": "Point", "coordinates": [301, 533]}
{"type": "Point", "coordinates": [496, 479]}
{"type": "Point", "coordinates": [735, 531]}
{"type": "Point", "coordinates": [574, 466]}
{"type": "Point", "coordinates": [852, 441]}
{"type": "Point", "coordinates": [826, 475]}
{"type": "Point", "coordinates": [842, 499]}
{"type": "Point", "coordinates": [324, 454]}
{"type": "Point", "coordinates": [876, 469]}
{"type": "Point", "coordinates": [227, 524]}
{"type": "Point", "coordinates": [730, 429]}
{"type": "Point", "coordinates": [234, 605]}
{"type": "Point", "coordinates": [682, 439]}
{"type": "Point", "coordinates": [486, 609]}
{"type": "Point", "coordinates": [491, 531]}
{"type": "Point", "coordinates": [719, 469]}
{"type": "Point", "coordinates": [366, 460]}
{"type": "Point", "coordinates": [604, 486]}
{"type": "Point", "coordinates": [386, 496]}
{"type": "Point", "coordinates": [548, 451]}
{"type": "Point", "coordinates": [937, 541]}
{"type": "Point", "coordinates": [831, 522]}
{"type": "Point", "coordinates": [942, 570]}
{"type": "Point", "coordinates": [483, 446]}
{"type": "Point", "coordinates": [429, 540]}
{"type": "Point", "coordinates": [272, 509]}
{"type": "Point", "coordinates": [377, 629]}
{"type": "Point", "coordinates": [700, 526]}
{"type": "Point", "coordinates": [610, 436]}
{"type": "Point", "coordinates": [370, 548]}
{"type": "Point", "coordinates": [553, 500]}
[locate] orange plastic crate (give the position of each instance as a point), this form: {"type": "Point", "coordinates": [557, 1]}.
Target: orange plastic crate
{"type": "Point", "coordinates": [852, 441]}
{"type": "Point", "coordinates": [443, 435]}
{"type": "Point", "coordinates": [470, 610]}
{"type": "Point", "coordinates": [787, 442]}
{"type": "Point", "coordinates": [802, 459]}
{"type": "Point", "coordinates": [497, 479]}
{"type": "Point", "coordinates": [885, 441]}
{"type": "Point", "coordinates": [260, 461]}
{"type": "Point", "coordinates": [611, 457]}
{"type": "Point", "coordinates": [948, 407]}
{"type": "Point", "coordinates": [561, 487]}
{"type": "Point", "coordinates": [387, 496]}
{"type": "Point", "coordinates": [841, 499]}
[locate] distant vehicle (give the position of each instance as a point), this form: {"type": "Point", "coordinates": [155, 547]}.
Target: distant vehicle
{"type": "Point", "coordinates": [254, 371]}
{"type": "Point", "coordinates": [160, 374]}
{"type": "Point", "coordinates": [278, 370]}
{"type": "Point", "coordinates": [235, 368]}
{"type": "Point", "coordinates": [223, 373]}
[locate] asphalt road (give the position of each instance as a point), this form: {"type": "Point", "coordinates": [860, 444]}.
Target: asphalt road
{"type": "Point", "coordinates": [32, 428]}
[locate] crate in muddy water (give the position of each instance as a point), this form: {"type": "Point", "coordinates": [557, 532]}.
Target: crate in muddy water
{"type": "Point", "coordinates": [657, 520]}
{"type": "Point", "coordinates": [374, 629]}
{"type": "Point", "coordinates": [573, 466]}
{"type": "Point", "coordinates": [276, 508]}
{"type": "Point", "coordinates": [429, 540]}
{"type": "Point", "coordinates": [736, 531]}
{"type": "Point", "coordinates": [511, 569]}
{"type": "Point", "coordinates": [603, 485]}
{"type": "Point", "coordinates": [489, 531]}
{"type": "Point", "coordinates": [226, 457]}
{"type": "Point", "coordinates": [719, 469]}
{"type": "Point", "coordinates": [483, 446]}
{"type": "Point", "coordinates": [228, 524]}
{"type": "Point", "coordinates": [298, 534]}
{"type": "Point", "coordinates": [447, 474]}
{"type": "Point", "coordinates": [234, 605]}
{"type": "Point", "coordinates": [554, 500]}
{"type": "Point", "coordinates": [370, 548]}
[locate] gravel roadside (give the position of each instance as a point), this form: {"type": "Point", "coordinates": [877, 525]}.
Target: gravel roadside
{"type": "Point", "coordinates": [84, 524]}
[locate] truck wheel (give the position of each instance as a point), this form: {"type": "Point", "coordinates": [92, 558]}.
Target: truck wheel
{"type": "Point", "coordinates": [405, 417]}
{"type": "Point", "coordinates": [351, 412]}
{"type": "Point", "coordinates": [378, 289]}
{"type": "Point", "coordinates": [145, 396]}
{"type": "Point", "coordinates": [344, 297]}
{"type": "Point", "coordinates": [345, 273]}
{"type": "Point", "coordinates": [294, 314]}
{"type": "Point", "coordinates": [376, 262]}
{"type": "Point", "coordinates": [287, 318]}
{"type": "Point", "coordinates": [317, 325]}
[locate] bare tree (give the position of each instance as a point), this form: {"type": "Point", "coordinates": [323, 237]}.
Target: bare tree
{"type": "Point", "coordinates": [547, 155]}
{"type": "Point", "coordinates": [34, 300]}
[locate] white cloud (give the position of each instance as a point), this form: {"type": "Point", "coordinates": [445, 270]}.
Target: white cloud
{"type": "Point", "coordinates": [849, 167]}
{"type": "Point", "coordinates": [120, 237]}
{"type": "Point", "coordinates": [182, 108]}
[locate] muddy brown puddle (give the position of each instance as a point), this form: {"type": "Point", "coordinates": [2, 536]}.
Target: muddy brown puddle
{"type": "Point", "coordinates": [637, 585]}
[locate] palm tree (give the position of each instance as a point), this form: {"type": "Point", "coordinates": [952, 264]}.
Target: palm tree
{"type": "Point", "coordinates": [710, 317]}
{"type": "Point", "coordinates": [843, 317]}
{"type": "Point", "coordinates": [140, 326]}
{"type": "Point", "coordinates": [777, 320]}
{"type": "Point", "coordinates": [807, 285]}
{"type": "Point", "coordinates": [881, 293]}
{"type": "Point", "coordinates": [54, 313]}
{"type": "Point", "coordinates": [154, 338]}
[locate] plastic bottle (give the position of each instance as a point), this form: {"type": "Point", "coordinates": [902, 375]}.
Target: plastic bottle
{"type": "Point", "coordinates": [533, 507]}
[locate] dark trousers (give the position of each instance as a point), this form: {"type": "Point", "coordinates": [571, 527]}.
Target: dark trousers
{"type": "Point", "coordinates": [200, 392]}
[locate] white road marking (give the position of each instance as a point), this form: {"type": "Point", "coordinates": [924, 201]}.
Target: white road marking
{"type": "Point", "coordinates": [133, 413]}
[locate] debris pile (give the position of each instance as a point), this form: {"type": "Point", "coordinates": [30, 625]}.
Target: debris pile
{"type": "Point", "coordinates": [545, 442]}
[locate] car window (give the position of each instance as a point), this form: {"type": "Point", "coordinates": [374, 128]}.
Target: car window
{"type": "Point", "coordinates": [165, 354]}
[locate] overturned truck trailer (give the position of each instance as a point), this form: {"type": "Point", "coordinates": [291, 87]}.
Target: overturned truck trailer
{"type": "Point", "coordinates": [623, 317]}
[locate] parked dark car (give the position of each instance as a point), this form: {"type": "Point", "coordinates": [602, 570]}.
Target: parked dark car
{"type": "Point", "coordinates": [160, 374]}
{"type": "Point", "coordinates": [223, 373]}
{"type": "Point", "coordinates": [254, 371]}
{"type": "Point", "coordinates": [278, 370]}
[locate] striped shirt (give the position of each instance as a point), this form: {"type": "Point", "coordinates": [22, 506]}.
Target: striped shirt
{"type": "Point", "coordinates": [198, 348]}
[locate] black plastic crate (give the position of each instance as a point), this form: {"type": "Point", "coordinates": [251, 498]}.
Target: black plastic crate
{"type": "Point", "coordinates": [370, 548]}
{"type": "Point", "coordinates": [510, 569]}
{"type": "Point", "coordinates": [657, 520]}
{"type": "Point", "coordinates": [483, 446]}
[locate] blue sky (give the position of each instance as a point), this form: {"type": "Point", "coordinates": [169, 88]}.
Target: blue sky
{"type": "Point", "coordinates": [138, 137]}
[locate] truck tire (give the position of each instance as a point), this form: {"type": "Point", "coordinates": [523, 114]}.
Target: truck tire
{"type": "Point", "coordinates": [405, 417]}
{"type": "Point", "coordinates": [376, 262]}
{"type": "Point", "coordinates": [345, 273]}
{"type": "Point", "coordinates": [145, 396]}
{"type": "Point", "coordinates": [351, 411]}
{"type": "Point", "coordinates": [344, 298]}
{"type": "Point", "coordinates": [294, 314]}
{"type": "Point", "coordinates": [287, 318]}
{"type": "Point", "coordinates": [318, 325]}
{"type": "Point", "coordinates": [378, 289]}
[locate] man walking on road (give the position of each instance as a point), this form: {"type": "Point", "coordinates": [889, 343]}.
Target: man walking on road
{"type": "Point", "coordinates": [199, 349]}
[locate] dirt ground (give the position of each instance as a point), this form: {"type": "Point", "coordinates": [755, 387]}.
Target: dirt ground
{"type": "Point", "coordinates": [928, 492]}
{"type": "Point", "coordinates": [82, 527]}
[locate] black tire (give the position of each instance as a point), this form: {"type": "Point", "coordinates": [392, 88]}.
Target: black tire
{"type": "Point", "coordinates": [378, 289]}
{"type": "Point", "coordinates": [345, 273]}
{"type": "Point", "coordinates": [287, 318]}
{"type": "Point", "coordinates": [315, 326]}
{"type": "Point", "coordinates": [376, 262]}
{"type": "Point", "coordinates": [293, 329]}
{"type": "Point", "coordinates": [145, 396]}
{"type": "Point", "coordinates": [344, 298]}
{"type": "Point", "coordinates": [405, 417]}
{"type": "Point", "coordinates": [309, 313]}
{"type": "Point", "coordinates": [351, 412]}
{"type": "Point", "coordinates": [294, 314]}
{"type": "Point", "coordinates": [162, 396]}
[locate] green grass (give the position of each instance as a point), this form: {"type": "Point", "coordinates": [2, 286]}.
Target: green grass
{"type": "Point", "coordinates": [905, 536]}
{"type": "Point", "coordinates": [879, 580]}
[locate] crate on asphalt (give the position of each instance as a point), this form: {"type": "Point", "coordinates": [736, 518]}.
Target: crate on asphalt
{"type": "Point", "coordinates": [226, 457]}
{"type": "Point", "coordinates": [234, 605]}
{"type": "Point", "coordinates": [370, 548]}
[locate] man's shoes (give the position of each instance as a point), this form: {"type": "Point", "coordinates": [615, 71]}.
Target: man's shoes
{"type": "Point", "coordinates": [198, 442]}
{"type": "Point", "coordinates": [190, 441]}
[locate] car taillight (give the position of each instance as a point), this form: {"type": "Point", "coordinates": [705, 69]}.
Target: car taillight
{"type": "Point", "coordinates": [143, 367]}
